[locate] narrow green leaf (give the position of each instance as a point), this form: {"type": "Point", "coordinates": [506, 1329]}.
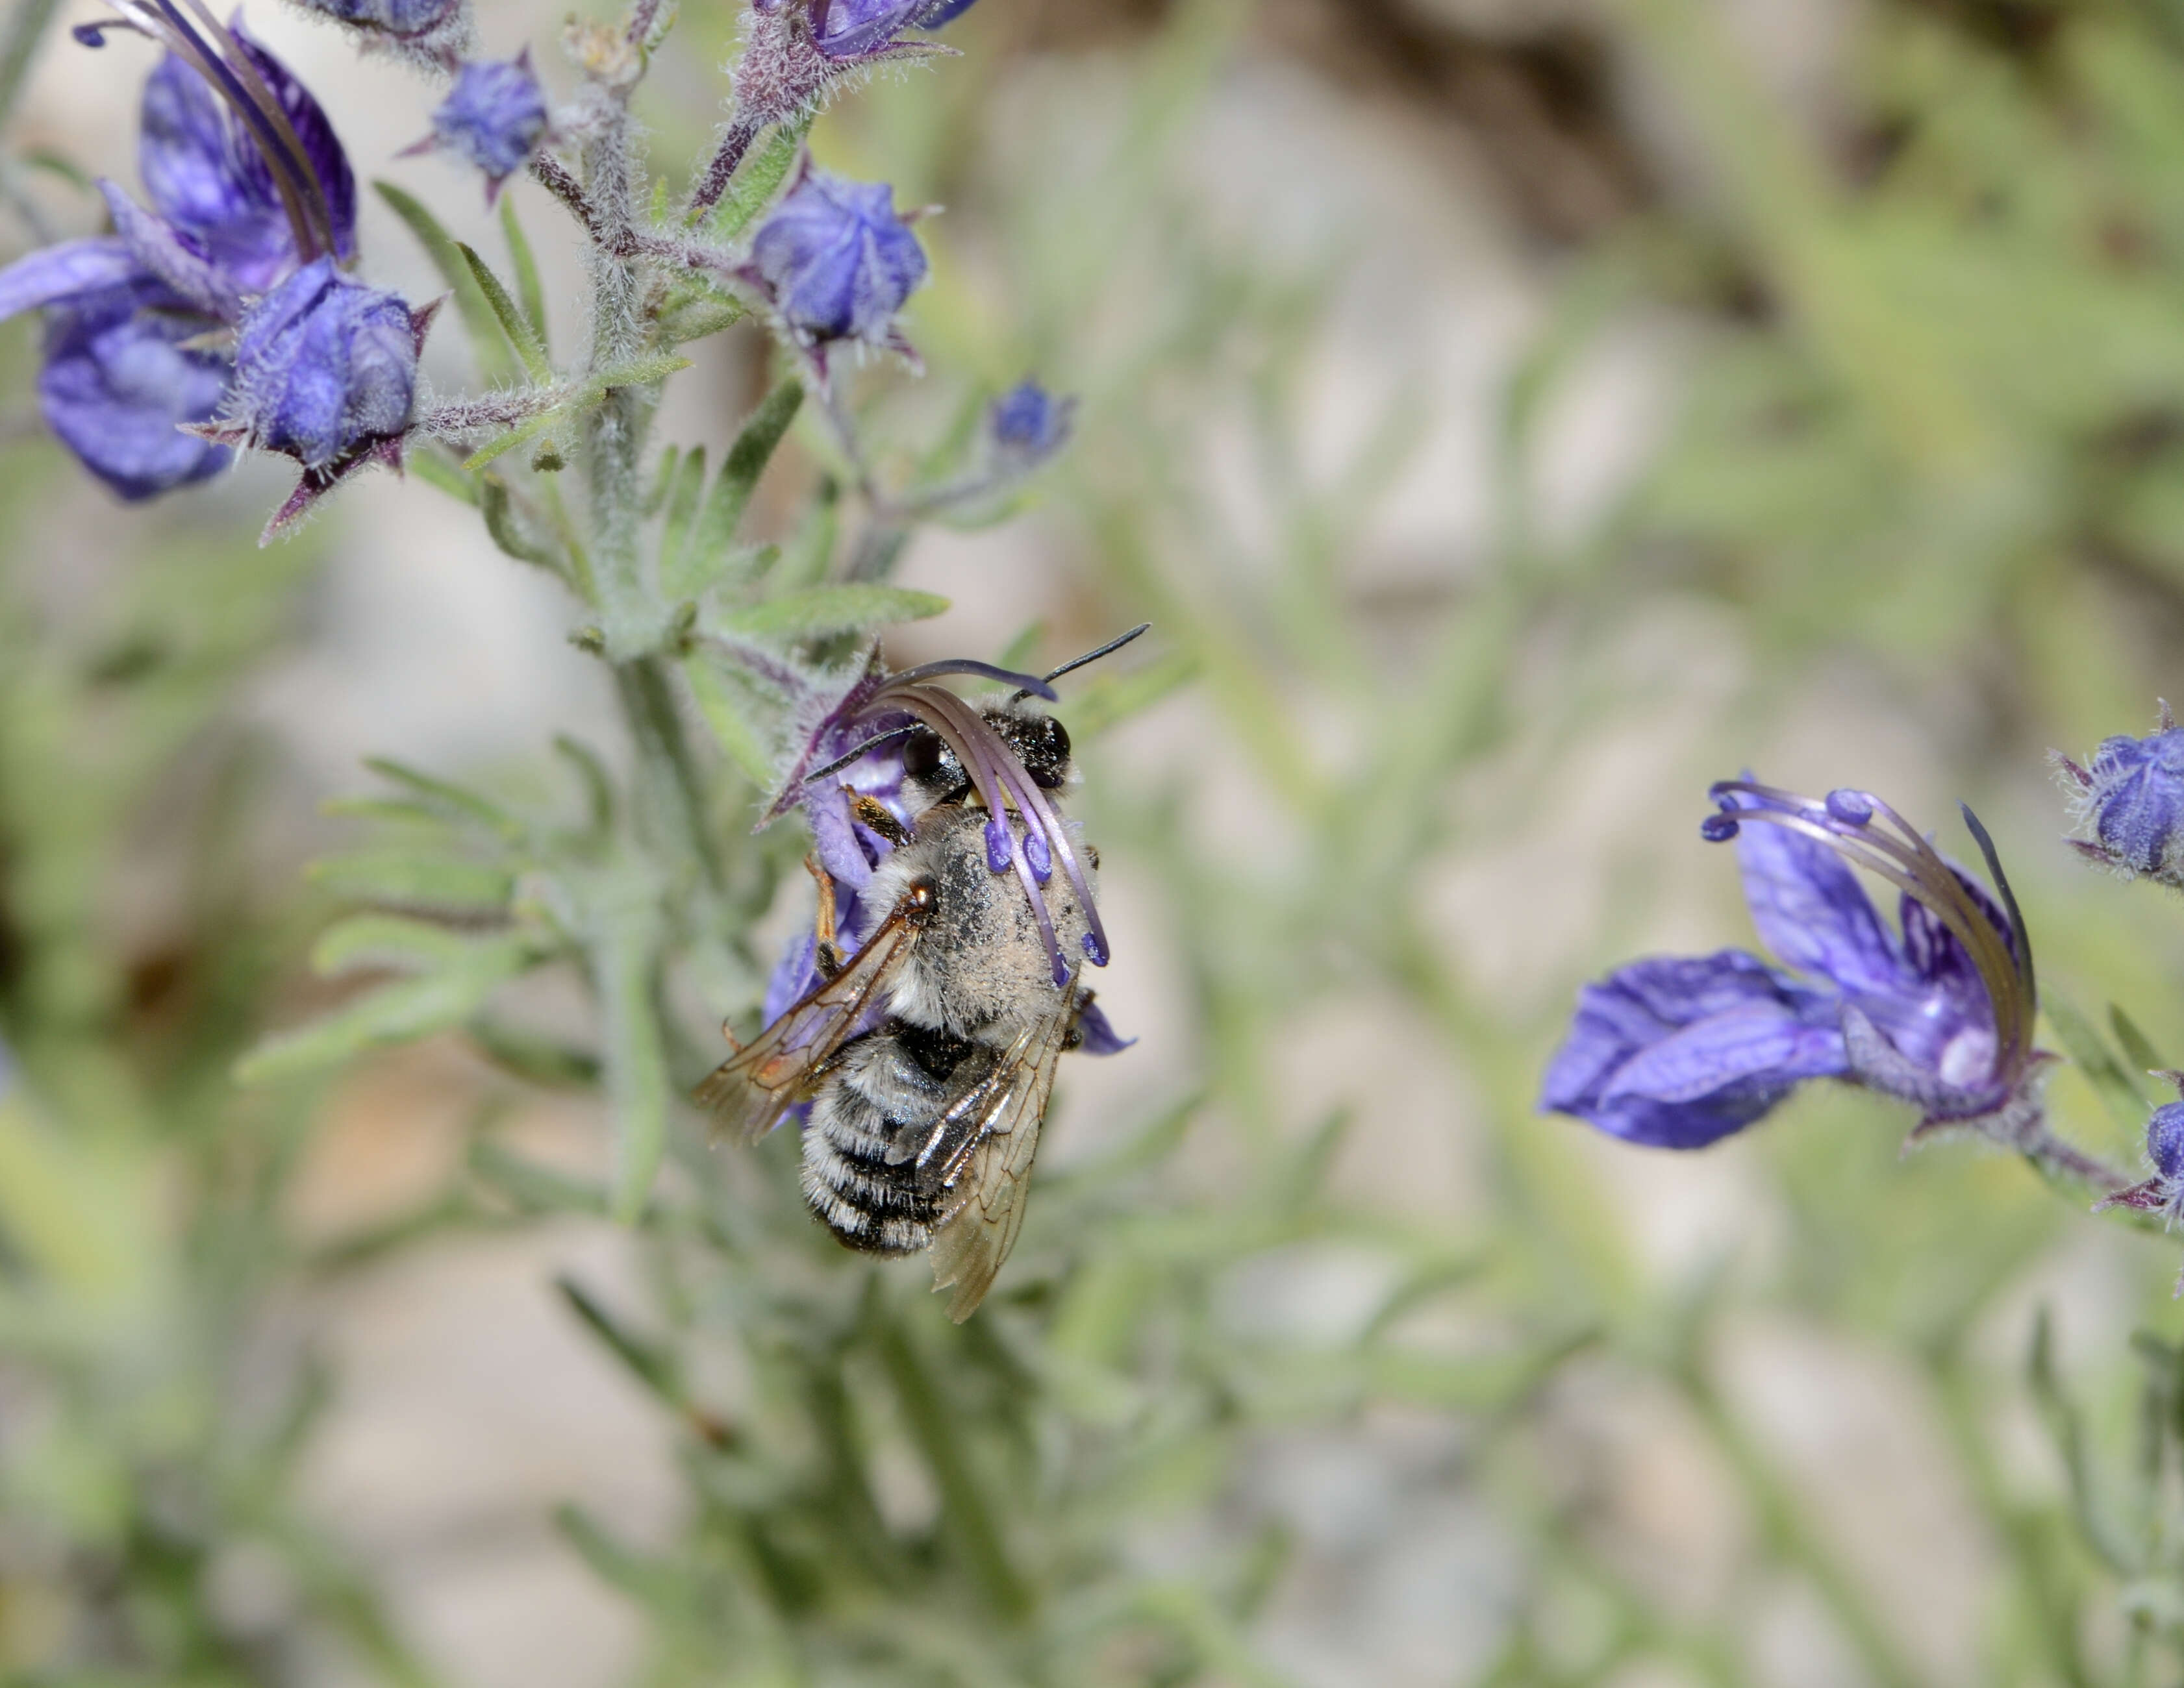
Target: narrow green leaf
{"type": "Point", "coordinates": [522, 434]}
{"type": "Point", "coordinates": [414, 876]}
{"type": "Point", "coordinates": [764, 170]}
{"type": "Point", "coordinates": [694, 309]}
{"type": "Point", "coordinates": [655, 366]}
{"type": "Point", "coordinates": [528, 290]}
{"type": "Point", "coordinates": [534, 1188]}
{"type": "Point", "coordinates": [394, 941]}
{"type": "Point", "coordinates": [390, 811]}
{"type": "Point", "coordinates": [404, 1009]}
{"type": "Point", "coordinates": [675, 532]}
{"type": "Point", "coordinates": [435, 468]}
{"type": "Point", "coordinates": [456, 801]}
{"type": "Point", "coordinates": [536, 1060]}
{"type": "Point", "coordinates": [647, 1580]}
{"type": "Point", "coordinates": [754, 448]}
{"type": "Point", "coordinates": [722, 701]}
{"type": "Point", "coordinates": [817, 611]}
{"type": "Point", "coordinates": [663, 482]}
{"type": "Point", "coordinates": [809, 555]}
{"type": "Point", "coordinates": [2110, 1080]}
{"type": "Point", "coordinates": [651, 1363]}
{"type": "Point", "coordinates": [2138, 1048]}
{"type": "Point", "coordinates": [522, 339]}
{"type": "Point", "coordinates": [599, 786]}
{"type": "Point", "coordinates": [493, 352]}
{"type": "Point", "coordinates": [507, 528]}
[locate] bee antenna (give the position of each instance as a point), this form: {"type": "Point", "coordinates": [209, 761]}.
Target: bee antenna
{"type": "Point", "coordinates": [1074, 662]}
{"type": "Point", "coordinates": [870, 744]}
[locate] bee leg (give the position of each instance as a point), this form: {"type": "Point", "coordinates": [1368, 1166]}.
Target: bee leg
{"type": "Point", "coordinates": [869, 811]}
{"type": "Point", "coordinates": [826, 951]}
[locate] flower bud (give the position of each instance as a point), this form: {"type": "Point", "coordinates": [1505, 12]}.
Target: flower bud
{"type": "Point", "coordinates": [2165, 1142]}
{"type": "Point", "coordinates": [836, 260]}
{"type": "Point", "coordinates": [2131, 798]}
{"type": "Point", "coordinates": [495, 116]}
{"type": "Point", "coordinates": [853, 29]}
{"type": "Point", "coordinates": [402, 20]}
{"type": "Point", "coordinates": [1028, 424]}
{"type": "Point", "coordinates": [325, 369]}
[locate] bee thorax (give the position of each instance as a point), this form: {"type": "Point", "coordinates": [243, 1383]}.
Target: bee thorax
{"type": "Point", "coordinates": [981, 970]}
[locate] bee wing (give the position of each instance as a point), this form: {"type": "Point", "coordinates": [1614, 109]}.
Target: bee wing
{"type": "Point", "coordinates": [996, 1132]}
{"type": "Point", "coordinates": [753, 1088]}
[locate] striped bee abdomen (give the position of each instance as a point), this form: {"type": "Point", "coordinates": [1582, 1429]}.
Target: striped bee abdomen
{"type": "Point", "coordinates": [892, 1084]}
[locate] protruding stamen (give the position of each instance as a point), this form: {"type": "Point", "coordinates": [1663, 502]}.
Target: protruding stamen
{"type": "Point", "coordinates": [1913, 866]}
{"type": "Point", "coordinates": [1718, 829]}
{"type": "Point", "coordinates": [1036, 853]}
{"type": "Point", "coordinates": [997, 844]}
{"type": "Point", "coordinates": [230, 71]}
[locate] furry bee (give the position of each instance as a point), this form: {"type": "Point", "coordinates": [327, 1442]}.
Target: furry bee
{"type": "Point", "coordinates": [928, 1054]}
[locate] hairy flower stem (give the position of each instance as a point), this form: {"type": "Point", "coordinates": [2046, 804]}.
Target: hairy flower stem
{"type": "Point", "coordinates": [614, 432]}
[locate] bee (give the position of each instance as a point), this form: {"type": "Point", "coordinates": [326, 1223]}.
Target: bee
{"type": "Point", "coordinates": [927, 1055]}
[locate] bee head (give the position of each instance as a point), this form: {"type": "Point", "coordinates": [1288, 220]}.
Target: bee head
{"type": "Point", "coordinates": [932, 772]}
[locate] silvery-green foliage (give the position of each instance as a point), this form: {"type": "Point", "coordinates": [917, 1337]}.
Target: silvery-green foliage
{"type": "Point", "coordinates": [1939, 379]}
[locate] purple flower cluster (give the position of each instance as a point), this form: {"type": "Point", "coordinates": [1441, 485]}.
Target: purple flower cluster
{"type": "Point", "coordinates": [1679, 1052]}
{"type": "Point", "coordinates": [220, 316]}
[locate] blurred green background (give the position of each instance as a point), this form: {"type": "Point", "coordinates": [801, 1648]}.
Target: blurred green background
{"type": "Point", "coordinates": [1513, 414]}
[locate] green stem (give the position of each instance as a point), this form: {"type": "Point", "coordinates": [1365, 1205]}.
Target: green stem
{"type": "Point", "coordinates": [678, 792]}
{"type": "Point", "coordinates": [1790, 1535]}
{"type": "Point", "coordinates": [963, 1500]}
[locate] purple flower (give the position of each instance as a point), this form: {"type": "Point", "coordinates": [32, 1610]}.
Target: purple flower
{"type": "Point", "coordinates": [121, 381]}
{"type": "Point", "coordinates": [858, 28]}
{"type": "Point", "coordinates": [836, 261]}
{"type": "Point", "coordinates": [1028, 424]}
{"type": "Point", "coordinates": [133, 319]}
{"type": "Point", "coordinates": [495, 116]}
{"type": "Point", "coordinates": [2132, 798]}
{"type": "Point", "coordinates": [1677, 1054]}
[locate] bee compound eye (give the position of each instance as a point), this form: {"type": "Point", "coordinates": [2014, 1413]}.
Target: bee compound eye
{"type": "Point", "coordinates": [921, 752]}
{"type": "Point", "coordinates": [1046, 751]}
